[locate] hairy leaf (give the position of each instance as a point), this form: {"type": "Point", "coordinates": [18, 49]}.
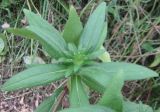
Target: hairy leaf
{"type": "Point", "coordinates": [102, 73]}
{"type": "Point", "coordinates": [156, 61]}
{"type": "Point", "coordinates": [48, 104]}
{"type": "Point", "coordinates": [73, 27]}
{"type": "Point", "coordinates": [35, 76]}
{"type": "Point", "coordinates": [78, 96]}
{"type": "Point", "coordinates": [48, 34]}
{"type": "Point", "coordinates": [95, 108]}
{"type": "Point", "coordinates": [91, 38]}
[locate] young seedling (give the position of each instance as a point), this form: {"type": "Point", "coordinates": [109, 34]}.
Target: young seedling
{"type": "Point", "coordinates": [76, 52]}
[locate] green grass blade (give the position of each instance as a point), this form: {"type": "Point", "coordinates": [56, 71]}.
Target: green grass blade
{"type": "Point", "coordinates": [64, 5]}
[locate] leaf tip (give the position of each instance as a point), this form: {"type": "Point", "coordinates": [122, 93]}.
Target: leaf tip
{"type": "Point", "coordinates": [72, 7]}
{"type": "Point", "coordinates": [6, 87]}
{"type": "Point", "coordinates": [25, 11]}
{"type": "Point", "coordinates": [156, 74]}
{"type": "Point", "coordinates": [103, 3]}
{"type": "Point", "coordinates": [3, 88]}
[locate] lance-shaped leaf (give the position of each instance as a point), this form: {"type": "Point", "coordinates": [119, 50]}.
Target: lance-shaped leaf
{"type": "Point", "coordinates": [92, 33]}
{"type": "Point", "coordinates": [92, 83]}
{"type": "Point", "coordinates": [94, 108]}
{"type": "Point", "coordinates": [35, 76]}
{"type": "Point", "coordinates": [105, 57]}
{"type": "Point", "coordinates": [103, 36]}
{"type": "Point", "coordinates": [78, 96]}
{"type": "Point", "coordinates": [73, 27]}
{"type": "Point", "coordinates": [23, 32]}
{"type": "Point", "coordinates": [112, 96]}
{"type": "Point", "coordinates": [102, 73]}
{"type": "Point", "coordinates": [48, 104]}
{"type": "Point", "coordinates": [2, 45]}
{"type": "Point", "coordinates": [46, 32]}
{"type": "Point", "coordinates": [134, 107]}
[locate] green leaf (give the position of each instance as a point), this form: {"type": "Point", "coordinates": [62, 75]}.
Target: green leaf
{"type": "Point", "coordinates": [95, 108]}
{"type": "Point", "coordinates": [156, 61]}
{"type": "Point", "coordinates": [78, 96]}
{"type": "Point", "coordinates": [103, 36]}
{"type": "Point", "coordinates": [35, 76]}
{"type": "Point", "coordinates": [73, 27]}
{"type": "Point", "coordinates": [158, 110]}
{"type": "Point", "coordinates": [24, 32]}
{"type": "Point", "coordinates": [112, 96]}
{"type": "Point", "coordinates": [5, 3]}
{"type": "Point", "coordinates": [91, 38]}
{"type": "Point", "coordinates": [95, 54]}
{"type": "Point", "coordinates": [147, 46]}
{"type": "Point", "coordinates": [92, 83]}
{"type": "Point", "coordinates": [30, 35]}
{"type": "Point", "coordinates": [72, 48]}
{"type": "Point", "coordinates": [48, 104]}
{"type": "Point", "coordinates": [2, 45]}
{"type": "Point", "coordinates": [133, 107]}
{"type": "Point", "coordinates": [102, 73]}
{"type": "Point", "coordinates": [48, 34]}
{"type": "Point", "coordinates": [105, 57]}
